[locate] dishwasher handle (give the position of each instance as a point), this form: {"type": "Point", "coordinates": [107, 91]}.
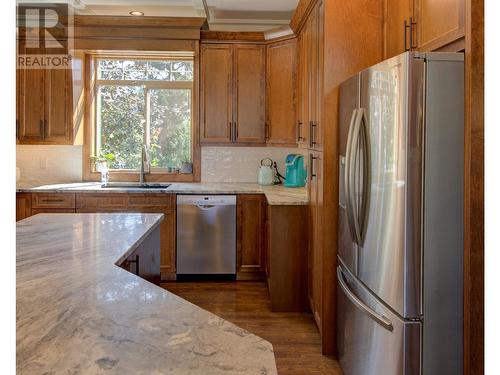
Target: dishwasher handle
{"type": "Point", "coordinates": [205, 206]}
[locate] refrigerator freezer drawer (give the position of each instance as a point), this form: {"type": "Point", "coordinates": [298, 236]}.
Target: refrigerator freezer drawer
{"type": "Point", "coordinates": [371, 339]}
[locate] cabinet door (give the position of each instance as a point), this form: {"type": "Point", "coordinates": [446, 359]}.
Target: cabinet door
{"type": "Point", "coordinates": [314, 78]}
{"type": "Point", "coordinates": [23, 206]}
{"type": "Point", "coordinates": [167, 244]}
{"type": "Point", "coordinates": [158, 203]}
{"type": "Point", "coordinates": [315, 258]}
{"type": "Point", "coordinates": [216, 93]}
{"type": "Point", "coordinates": [251, 211]}
{"type": "Point", "coordinates": [30, 106]}
{"type": "Point", "coordinates": [249, 93]}
{"type": "Point", "coordinates": [397, 12]}
{"type": "Point", "coordinates": [58, 106]}
{"type": "Point", "coordinates": [281, 86]}
{"type": "Point", "coordinates": [439, 23]}
{"type": "Point", "coordinates": [303, 46]}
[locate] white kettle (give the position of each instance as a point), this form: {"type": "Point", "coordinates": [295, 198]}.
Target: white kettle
{"type": "Point", "coordinates": [266, 174]}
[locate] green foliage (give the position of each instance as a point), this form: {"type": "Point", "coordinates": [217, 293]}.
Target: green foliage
{"type": "Point", "coordinates": [122, 117]}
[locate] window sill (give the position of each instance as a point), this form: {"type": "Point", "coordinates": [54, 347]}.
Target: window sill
{"type": "Point", "coordinates": [149, 177]}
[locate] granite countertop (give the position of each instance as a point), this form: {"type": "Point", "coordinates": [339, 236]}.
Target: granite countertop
{"type": "Point", "coordinates": [79, 313]}
{"type": "Point", "coordinates": [276, 194]}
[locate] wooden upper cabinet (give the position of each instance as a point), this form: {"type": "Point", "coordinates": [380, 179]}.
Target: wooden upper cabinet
{"type": "Point", "coordinates": [304, 62]}
{"type": "Point", "coordinates": [397, 36]}
{"type": "Point", "coordinates": [232, 93]}
{"type": "Point", "coordinates": [430, 24]}
{"type": "Point", "coordinates": [30, 105]}
{"type": "Point", "coordinates": [216, 93]}
{"type": "Point", "coordinates": [44, 105]}
{"type": "Point", "coordinates": [310, 80]}
{"type": "Point", "coordinates": [249, 93]}
{"type": "Point", "coordinates": [58, 106]}
{"type": "Point", "coordinates": [439, 23]}
{"type": "Point", "coordinates": [281, 85]}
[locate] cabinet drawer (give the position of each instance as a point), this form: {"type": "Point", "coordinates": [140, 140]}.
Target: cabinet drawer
{"type": "Point", "coordinates": [101, 202]}
{"type": "Point", "coordinates": [35, 211]}
{"type": "Point", "coordinates": [164, 200]}
{"type": "Point", "coordinates": [53, 200]}
{"type": "Point", "coordinates": [123, 201]}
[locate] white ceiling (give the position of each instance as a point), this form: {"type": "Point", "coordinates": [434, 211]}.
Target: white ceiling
{"type": "Point", "coordinates": [234, 15]}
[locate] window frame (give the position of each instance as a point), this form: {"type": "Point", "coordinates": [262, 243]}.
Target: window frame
{"type": "Point", "coordinates": [92, 84]}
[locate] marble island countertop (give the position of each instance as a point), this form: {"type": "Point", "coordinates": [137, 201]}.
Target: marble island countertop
{"type": "Point", "coordinates": [275, 194]}
{"type": "Point", "coordinates": [79, 313]}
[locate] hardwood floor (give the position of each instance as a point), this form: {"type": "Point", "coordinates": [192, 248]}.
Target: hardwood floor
{"type": "Point", "coordinates": [294, 336]}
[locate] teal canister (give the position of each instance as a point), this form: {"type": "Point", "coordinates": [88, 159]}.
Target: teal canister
{"type": "Point", "coordinates": [296, 174]}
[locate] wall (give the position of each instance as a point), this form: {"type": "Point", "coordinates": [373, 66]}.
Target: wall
{"type": "Point", "coordinates": [41, 165]}
{"type": "Point", "coordinates": [239, 164]}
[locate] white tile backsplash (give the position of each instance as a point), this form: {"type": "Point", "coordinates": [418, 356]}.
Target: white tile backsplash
{"type": "Point", "coordinates": [42, 164]}
{"type": "Point", "coordinates": [239, 164]}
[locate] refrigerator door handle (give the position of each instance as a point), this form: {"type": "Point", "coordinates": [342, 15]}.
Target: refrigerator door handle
{"type": "Point", "coordinates": [349, 171]}
{"type": "Point", "coordinates": [359, 135]}
{"type": "Point", "coordinates": [362, 131]}
{"type": "Point", "coordinates": [380, 319]}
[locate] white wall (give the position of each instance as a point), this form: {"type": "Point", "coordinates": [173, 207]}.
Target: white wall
{"type": "Point", "coordinates": [40, 165]}
{"type": "Point", "coordinates": [239, 164]}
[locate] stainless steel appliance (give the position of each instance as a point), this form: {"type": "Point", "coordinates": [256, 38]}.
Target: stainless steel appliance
{"type": "Point", "coordinates": [206, 234]}
{"type": "Point", "coordinates": [400, 227]}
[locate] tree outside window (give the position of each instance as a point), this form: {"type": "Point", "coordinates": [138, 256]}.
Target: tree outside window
{"type": "Point", "coordinates": [144, 102]}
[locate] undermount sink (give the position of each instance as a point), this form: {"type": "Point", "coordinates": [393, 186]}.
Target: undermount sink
{"type": "Point", "coordinates": [133, 185]}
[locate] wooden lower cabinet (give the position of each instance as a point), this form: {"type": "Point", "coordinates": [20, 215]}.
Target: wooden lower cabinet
{"type": "Point", "coordinates": [286, 257]}
{"type": "Point", "coordinates": [23, 206]}
{"type": "Point", "coordinates": [144, 203]}
{"type": "Point", "coordinates": [250, 244]}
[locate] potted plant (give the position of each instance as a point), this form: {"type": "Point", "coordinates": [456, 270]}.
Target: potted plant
{"type": "Point", "coordinates": [101, 163]}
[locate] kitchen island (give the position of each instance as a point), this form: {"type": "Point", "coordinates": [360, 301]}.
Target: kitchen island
{"type": "Point", "coordinates": [79, 312]}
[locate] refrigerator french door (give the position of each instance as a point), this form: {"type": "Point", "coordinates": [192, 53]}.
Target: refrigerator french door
{"type": "Point", "coordinates": [401, 217]}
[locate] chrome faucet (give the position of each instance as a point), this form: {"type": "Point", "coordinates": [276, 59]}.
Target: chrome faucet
{"type": "Point", "coordinates": [144, 160]}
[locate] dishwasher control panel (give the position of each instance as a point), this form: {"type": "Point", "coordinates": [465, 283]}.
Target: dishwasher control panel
{"type": "Point", "coordinates": [217, 200]}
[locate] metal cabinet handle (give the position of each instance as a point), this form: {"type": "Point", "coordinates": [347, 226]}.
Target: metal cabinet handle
{"type": "Point", "coordinates": [230, 131]}
{"type": "Point", "coordinates": [136, 262]}
{"type": "Point", "coordinates": [412, 25]}
{"type": "Point", "coordinates": [312, 136]}
{"type": "Point", "coordinates": [405, 31]}
{"type": "Point", "coordinates": [266, 131]}
{"type": "Point", "coordinates": [54, 200]}
{"type": "Point", "coordinates": [299, 131]}
{"type": "Point", "coordinates": [380, 319]}
{"type": "Point", "coordinates": [235, 131]}
{"type": "Point", "coordinates": [311, 165]}
{"type": "Point", "coordinates": [408, 26]}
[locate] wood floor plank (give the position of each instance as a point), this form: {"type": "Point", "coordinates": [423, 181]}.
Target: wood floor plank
{"type": "Point", "coordinates": [294, 336]}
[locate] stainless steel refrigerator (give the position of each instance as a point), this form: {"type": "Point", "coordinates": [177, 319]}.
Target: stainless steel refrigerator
{"type": "Point", "coordinates": [400, 253]}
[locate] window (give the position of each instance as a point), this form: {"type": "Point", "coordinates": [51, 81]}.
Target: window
{"type": "Point", "coordinates": [144, 102]}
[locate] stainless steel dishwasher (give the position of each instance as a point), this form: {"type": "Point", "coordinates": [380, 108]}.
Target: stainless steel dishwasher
{"type": "Point", "coordinates": [206, 234]}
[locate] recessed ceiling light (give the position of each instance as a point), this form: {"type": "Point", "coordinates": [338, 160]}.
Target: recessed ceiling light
{"type": "Point", "coordinates": [136, 13]}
